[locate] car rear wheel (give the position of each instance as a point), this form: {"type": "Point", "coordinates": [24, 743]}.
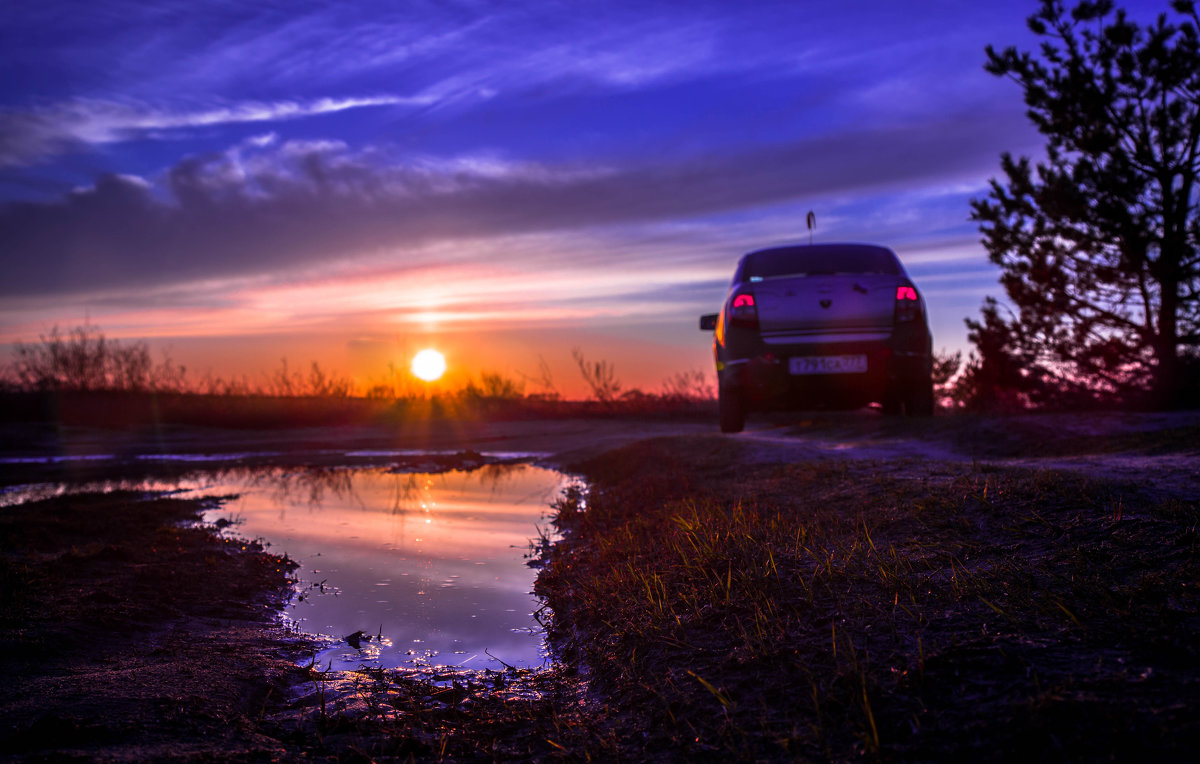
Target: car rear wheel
{"type": "Point", "coordinates": [892, 403]}
{"type": "Point", "coordinates": [913, 399]}
{"type": "Point", "coordinates": [732, 409]}
{"type": "Point", "coordinates": [920, 399]}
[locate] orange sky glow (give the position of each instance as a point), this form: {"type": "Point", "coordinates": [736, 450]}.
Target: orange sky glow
{"type": "Point", "coordinates": [487, 314]}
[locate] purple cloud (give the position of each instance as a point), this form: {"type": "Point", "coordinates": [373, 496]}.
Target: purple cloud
{"type": "Point", "coordinates": [260, 209]}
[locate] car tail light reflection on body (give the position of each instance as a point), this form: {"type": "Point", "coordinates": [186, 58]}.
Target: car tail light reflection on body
{"type": "Point", "coordinates": [908, 303]}
{"type": "Point", "coordinates": [742, 312]}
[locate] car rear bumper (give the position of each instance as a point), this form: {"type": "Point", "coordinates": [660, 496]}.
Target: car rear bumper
{"type": "Point", "coordinates": [769, 379]}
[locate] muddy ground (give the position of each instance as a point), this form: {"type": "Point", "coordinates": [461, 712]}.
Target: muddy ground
{"type": "Point", "coordinates": [129, 632]}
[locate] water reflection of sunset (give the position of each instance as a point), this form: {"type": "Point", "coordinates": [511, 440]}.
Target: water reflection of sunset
{"type": "Point", "coordinates": [434, 562]}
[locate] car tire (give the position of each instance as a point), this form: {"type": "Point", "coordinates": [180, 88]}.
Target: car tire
{"type": "Point", "coordinates": [892, 404]}
{"type": "Point", "coordinates": [731, 408]}
{"type": "Point", "coordinates": [920, 399]}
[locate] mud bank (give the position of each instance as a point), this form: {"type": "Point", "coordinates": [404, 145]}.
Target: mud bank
{"type": "Point", "coordinates": [130, 633]}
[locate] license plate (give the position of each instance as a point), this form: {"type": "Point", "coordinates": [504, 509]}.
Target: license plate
{"type": "Point", "coordinates": [828, 364]}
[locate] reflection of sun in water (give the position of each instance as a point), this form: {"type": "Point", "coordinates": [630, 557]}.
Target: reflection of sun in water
{"type": "Point", "coordinates": [429, 365]}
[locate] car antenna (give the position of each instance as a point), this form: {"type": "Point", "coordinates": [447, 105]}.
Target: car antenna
{"type": "Point", "coordinates": [811, 220]}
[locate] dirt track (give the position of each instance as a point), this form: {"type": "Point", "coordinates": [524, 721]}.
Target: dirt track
{"type": "Point", "coordinates": [1157, 449]}
{"type": "Point", "coordinates": [1132, 443]}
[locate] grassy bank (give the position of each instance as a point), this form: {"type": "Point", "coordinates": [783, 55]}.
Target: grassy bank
{"type": "Point", "coordinates": [835, 610]}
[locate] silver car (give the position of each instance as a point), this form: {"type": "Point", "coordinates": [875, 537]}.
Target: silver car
{"type": "Point", "coordinates": [821, 326]}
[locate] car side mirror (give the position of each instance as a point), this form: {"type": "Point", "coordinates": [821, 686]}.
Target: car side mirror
{"type": "Point", "coordinates": [708, 322]}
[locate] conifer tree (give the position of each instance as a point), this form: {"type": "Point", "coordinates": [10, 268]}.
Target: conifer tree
{"type": "Point", "coordinates": [1099, 241]}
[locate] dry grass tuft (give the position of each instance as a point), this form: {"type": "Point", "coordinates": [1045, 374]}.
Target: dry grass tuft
{"type": "Point", "coordinates": [830, 611]}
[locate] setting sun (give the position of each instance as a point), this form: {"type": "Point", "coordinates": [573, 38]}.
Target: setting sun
{"type": "Point", "coordinates": [429, 365]}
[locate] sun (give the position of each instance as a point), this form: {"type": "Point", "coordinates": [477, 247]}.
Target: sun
{"type": "Point", "coordinates": [429, 365]}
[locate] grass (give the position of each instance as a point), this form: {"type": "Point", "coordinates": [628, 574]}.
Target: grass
{"type": "Point", "coordinates": [826, 611]}
{"type": "Point", "coordinates": [121, 410]}
{"type": "Point", "coordinates": [510, 715]}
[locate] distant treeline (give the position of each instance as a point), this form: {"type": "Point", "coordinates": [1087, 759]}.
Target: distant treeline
{"type": "Point", "coordinates": [82, 375]}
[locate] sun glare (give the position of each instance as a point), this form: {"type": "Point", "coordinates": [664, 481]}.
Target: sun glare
{"type": "Point", "coordinates": [429, 365]}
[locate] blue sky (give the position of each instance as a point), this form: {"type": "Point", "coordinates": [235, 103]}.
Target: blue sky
{"type": "Point", "coordinates": [349, 182]}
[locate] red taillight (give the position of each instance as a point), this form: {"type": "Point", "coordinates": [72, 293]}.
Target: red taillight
{"type": "Point", "coordinates": [908, 303]}
{"type": "Point", "coordinates": [742, 312]}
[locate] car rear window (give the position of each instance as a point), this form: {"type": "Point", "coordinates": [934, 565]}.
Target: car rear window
{"type": "Point", "coordinates": [819, 259]}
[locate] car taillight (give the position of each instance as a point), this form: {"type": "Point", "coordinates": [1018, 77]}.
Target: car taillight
{"type": "Point", "coordinates": [742, 312]}
{"type": "Point", "coordinates": [908, 304]}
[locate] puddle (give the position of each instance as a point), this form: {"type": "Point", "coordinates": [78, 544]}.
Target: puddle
{"type": "Point", "coordinates": [429, 569]}
{"type": "Point", "coordinates": [435, 563]}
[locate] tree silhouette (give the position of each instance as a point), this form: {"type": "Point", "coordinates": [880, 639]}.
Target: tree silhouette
{"type": "Point", "coordinates": [1099, 242]}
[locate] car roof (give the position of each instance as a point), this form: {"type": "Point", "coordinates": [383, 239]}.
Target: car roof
{"type": "Point", "coordinates": [818, 258]}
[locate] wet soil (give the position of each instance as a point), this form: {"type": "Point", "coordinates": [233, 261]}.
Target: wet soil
{"type": "Point", "coordinates": [126, 632]}
{"type": "Point", "coordinates": [129, 632]}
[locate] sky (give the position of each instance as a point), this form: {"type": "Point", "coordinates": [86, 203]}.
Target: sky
{"type": "Point", "coordinates": [351, 182]}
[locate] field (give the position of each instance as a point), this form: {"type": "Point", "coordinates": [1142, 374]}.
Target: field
{"type": "Point", "coordinates": [822, 587]}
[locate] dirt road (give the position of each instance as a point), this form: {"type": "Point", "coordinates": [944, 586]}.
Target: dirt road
{"type": "Point", "coordinates": [1129, 443]}
{"type": "Point", "coordinates": [1159, 449]}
